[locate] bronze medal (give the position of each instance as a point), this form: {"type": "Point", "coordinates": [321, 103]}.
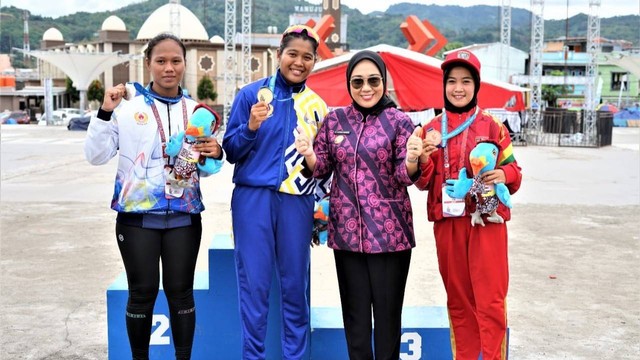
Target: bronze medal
{"type": "Point", "coordinates": [433, 137]}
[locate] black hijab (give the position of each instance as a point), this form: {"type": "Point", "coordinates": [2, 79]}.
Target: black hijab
{"type": "Point", "coordinates": [476, 82]}
{"type": "Point", "coordinates": [385, 101]}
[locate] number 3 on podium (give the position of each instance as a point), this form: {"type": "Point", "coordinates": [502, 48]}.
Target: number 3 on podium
{"type": "Point", "coordinates": [414, 340]}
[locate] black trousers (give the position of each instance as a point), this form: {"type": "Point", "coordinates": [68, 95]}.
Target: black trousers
{"type": "Point", "coordinates": [141, 250]}
{"type": "Point", "coordinates": [372, 282]}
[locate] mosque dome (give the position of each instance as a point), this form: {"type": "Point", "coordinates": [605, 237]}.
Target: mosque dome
{"type": "Point", "coordinates": [216, 39]}
{"type": "Point", "coordinates": [52, 34]}
{"type": "Point", "coordinates": [160, 21]}
{"type": "Point", "coordinates": [113, 23]}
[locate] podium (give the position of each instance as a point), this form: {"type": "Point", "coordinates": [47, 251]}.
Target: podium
{"type": "Point", "coordinates": [425, 332]}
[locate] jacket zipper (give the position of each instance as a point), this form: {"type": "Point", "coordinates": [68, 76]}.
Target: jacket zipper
{"type": "Point", "coordinates": [284, 145]}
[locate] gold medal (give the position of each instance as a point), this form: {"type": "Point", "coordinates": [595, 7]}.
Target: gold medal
{"type": "Point", "coordinates": [265, 94]}
{"type": "Point", "coordinates": [433, 137]}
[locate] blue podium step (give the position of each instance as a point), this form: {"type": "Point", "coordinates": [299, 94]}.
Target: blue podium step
{"type": "Point", "coordinates": [425, 334]}
{"type": "Point", "coordinates": [425, 329]}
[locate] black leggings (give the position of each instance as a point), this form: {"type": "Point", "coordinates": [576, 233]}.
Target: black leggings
{"type": "Point", "coordinates": [141, 251]}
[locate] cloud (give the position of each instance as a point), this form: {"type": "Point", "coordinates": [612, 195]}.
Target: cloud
{"type": "Point", "coordinates": [56, 9]}
{"type": "Point", "coordinates": [553, 9]}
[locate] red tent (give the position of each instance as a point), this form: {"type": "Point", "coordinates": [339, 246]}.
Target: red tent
{"type": "Point", "coordinates": [415, 82]}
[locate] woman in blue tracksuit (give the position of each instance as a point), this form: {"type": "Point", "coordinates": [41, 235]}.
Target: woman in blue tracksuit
{"type": "Point", "coordinates": [272, 203]}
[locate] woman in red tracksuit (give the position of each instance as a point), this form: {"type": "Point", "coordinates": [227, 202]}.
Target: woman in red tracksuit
{"type": "Point", "coordinates": [472, 259]}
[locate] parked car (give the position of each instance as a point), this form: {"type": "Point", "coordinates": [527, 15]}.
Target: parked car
{"type": "Point", "coordinates": [65, 114]}
{"type": "Point", "coordinates": [79, 122]}
{"type": "Point", "coordinates": [15, 117]}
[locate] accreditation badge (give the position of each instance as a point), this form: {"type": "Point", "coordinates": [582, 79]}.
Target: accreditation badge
{"type": "Point", "coordinates": [172, 190]}
{"type": "Point", "coordinates": [451, 207]}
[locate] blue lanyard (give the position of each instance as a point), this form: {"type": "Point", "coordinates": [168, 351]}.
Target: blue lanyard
{"type": "Point", "coordinates": [456, 131]}
{"type": "Point", "coordinates": [272, 87]}
{"type": "Point", "coordinates": [149, 95]}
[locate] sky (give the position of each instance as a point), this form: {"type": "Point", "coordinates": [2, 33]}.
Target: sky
{"type": "Point", "coordinates": [553, 9]}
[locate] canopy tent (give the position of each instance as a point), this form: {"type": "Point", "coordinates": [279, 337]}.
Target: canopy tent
{"type": "Point", "coordinates": [81, 68]}
{"type": "Point", "coordinates": [415, 82]}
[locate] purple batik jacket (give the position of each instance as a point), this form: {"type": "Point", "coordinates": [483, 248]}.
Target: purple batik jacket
{"type": "Point", "coordinates": [370, 209]}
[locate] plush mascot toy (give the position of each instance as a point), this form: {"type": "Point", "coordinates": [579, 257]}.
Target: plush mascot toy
{"type": "Point", "coordinates": [320, 222]}
{"type": "Point", "coordinates": [483, 158]}
{"type": "Point", "coordinates": [204, 122]}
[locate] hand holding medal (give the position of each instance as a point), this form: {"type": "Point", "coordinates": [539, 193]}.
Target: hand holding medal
{"type": "Point", "coordinates": [433, 137]}
{"type": "Point", "coordinates": [261, 110]}
{"type": "Point", "coordinates": [266, 95]}
{"type": "Point", "coordinates": [431, 142]}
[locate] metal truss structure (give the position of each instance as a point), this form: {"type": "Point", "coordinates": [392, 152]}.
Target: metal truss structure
{"type": "Point", "coordinates": [229, 57]}
{"type": "Point", "coordinates": [593, 49]}
{"type": "Point", "coordinates": [535, 67]}
{"type": "Point", "coordinates": [174, 13]}
{"type": "Point", "coordinates": [505, 38]}
{"type": "Point", "coordinates": [246, 41]}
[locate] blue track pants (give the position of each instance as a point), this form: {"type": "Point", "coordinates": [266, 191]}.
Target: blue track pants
{"type": "Point", "coordinates": [272, 230]}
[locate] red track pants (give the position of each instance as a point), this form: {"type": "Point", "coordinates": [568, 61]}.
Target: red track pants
{"type": "Point", "coordinates": [473, 263]}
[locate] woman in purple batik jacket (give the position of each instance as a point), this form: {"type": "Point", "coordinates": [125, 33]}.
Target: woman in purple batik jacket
{"type": "Point", "coordinates": [372, 149]}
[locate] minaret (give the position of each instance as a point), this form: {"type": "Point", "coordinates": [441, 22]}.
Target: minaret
{"type": "Point", "coordinates": [25, 39]}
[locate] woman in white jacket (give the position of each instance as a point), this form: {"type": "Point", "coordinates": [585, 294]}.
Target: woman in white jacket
{"type": "Point", "coordinates": [157, 218]}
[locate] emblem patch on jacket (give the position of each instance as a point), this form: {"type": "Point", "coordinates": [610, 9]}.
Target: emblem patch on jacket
{"type": "Point", "coordinates": [141, 118]}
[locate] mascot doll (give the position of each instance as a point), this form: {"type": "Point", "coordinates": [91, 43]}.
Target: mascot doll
{"type": "Point", "coordinates": [320, 222]}
{"type": "Point", "coordinates": [485, 197]}
{"type": "Point", "coordinates": [204, 122]}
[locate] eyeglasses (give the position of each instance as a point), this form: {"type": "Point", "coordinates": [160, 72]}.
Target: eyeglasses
{"type": "Point", "coordinates": [300, 29]}
{"type": "Point", "coordinates": [373, 81]}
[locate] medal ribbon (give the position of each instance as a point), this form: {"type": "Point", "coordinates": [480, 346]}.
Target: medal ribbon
{"type": "Point", "coordinates": [446, 135]}
{"type": "Point", "coordinates": [463, 148]}
{"type": "Point", "coordinates": [163, 138]}
{"type": "Point", "coordinates": [272, 87]}
{"type": "Point", "coordinates": [149, 96]}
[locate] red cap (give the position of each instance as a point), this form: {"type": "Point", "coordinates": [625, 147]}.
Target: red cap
{"type": "Point", "coordinates": [462, 57]}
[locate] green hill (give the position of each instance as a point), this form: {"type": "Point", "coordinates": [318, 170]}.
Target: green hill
{"type": "Point", "coordinates": [481, 24]}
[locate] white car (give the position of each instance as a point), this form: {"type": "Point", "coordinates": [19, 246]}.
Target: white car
{"type": "Point", "coordinates": [63, 115]}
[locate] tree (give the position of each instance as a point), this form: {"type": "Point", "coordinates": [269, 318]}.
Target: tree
{"type": "Point", "coordinates": [551, 93]}
{"type": "Point", "coordinates": [449, 46]}
{"type": "Point", "coordinates": [73, 93]}
{"type": "Point", "coordinates": [95, 91]}
{"type": "Point", "coordinates": [206, 90]}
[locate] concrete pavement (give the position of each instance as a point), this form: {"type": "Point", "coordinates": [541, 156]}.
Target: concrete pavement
{"type": "Point", "coordinates": [574, 249]}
